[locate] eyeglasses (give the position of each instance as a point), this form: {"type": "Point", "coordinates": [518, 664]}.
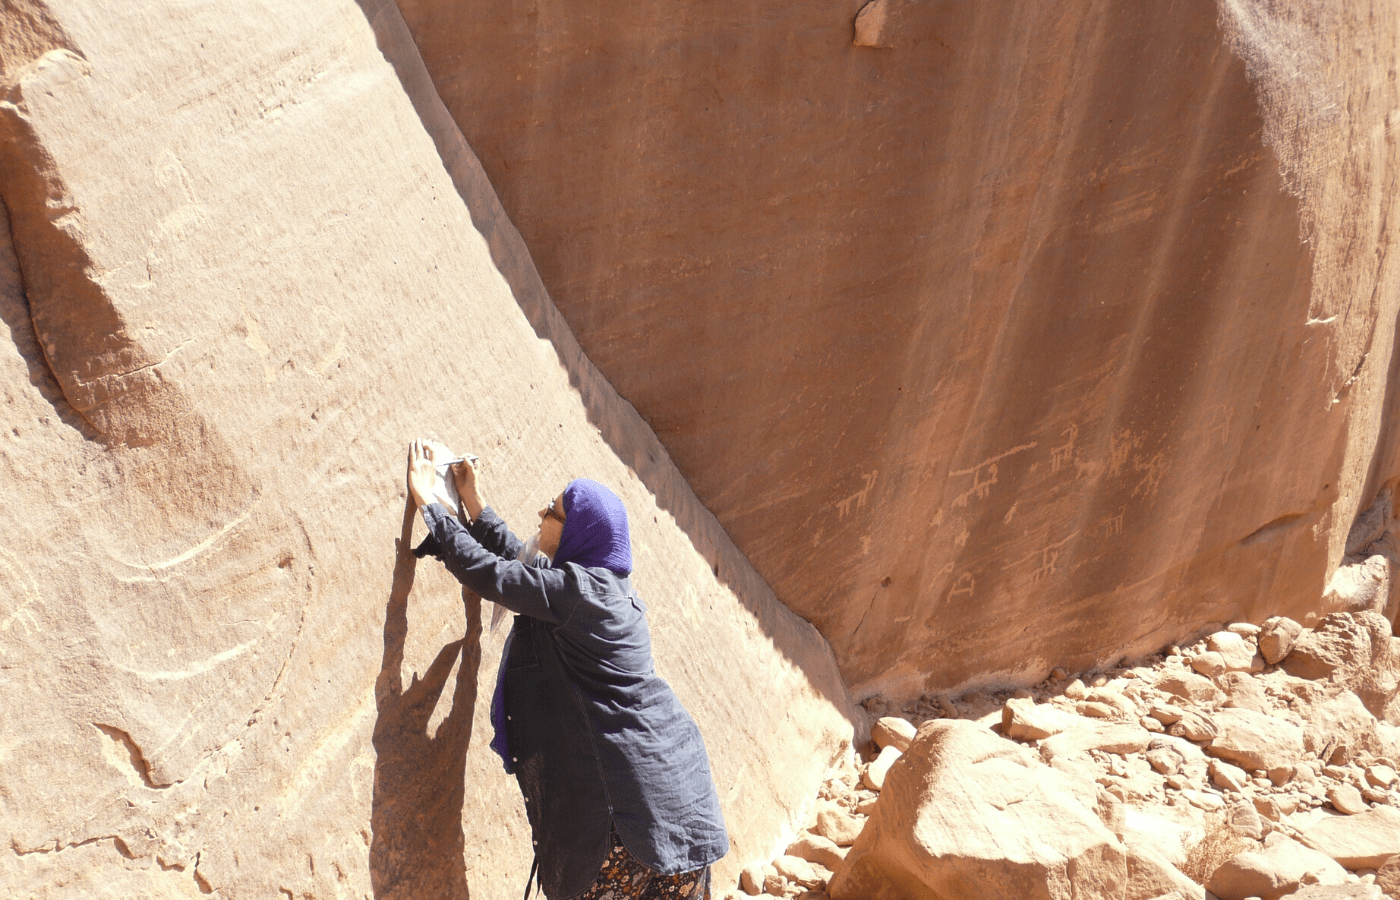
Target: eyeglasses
{"type": "Point", "coordinates": [551, 513]}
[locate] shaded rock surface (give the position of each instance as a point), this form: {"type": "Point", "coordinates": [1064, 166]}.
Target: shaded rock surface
{"type": "Point", "coordinates": [1064, 285]}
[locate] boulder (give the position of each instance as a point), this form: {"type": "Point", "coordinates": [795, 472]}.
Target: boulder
{"type": "Point", "coordinates": [1274, 871]}
{"type": "Point", "coordinates": [1276, 638]}
{"type": "Point", "coordinates": [1335, 717]}
{"type": "Point", "coordinates": [1117, 739]}
{"type": "Point", "coordinates": [1024, 720]}
{"type": "Point", "coordinates": [820, 850]}
{"type": "Point", "coordinates": [1365, 840]}
{"type": "Point", "coordinates": [1244, 691]}
{"type": "Point", "coordinates": [892, 731]}
{"type": "Point", "coordinates": [1210, 664]}
{"type": "Point", "coordinates": [1388, 876]}
{"type": "Point", "coordinates": [1346, 799]}
{"type": "Point", "coordinates": [1237, 653]}
{"type": "Point", "coordinates": [1189, 686]}
{"type": "Point", "coordinates": [1255, 740]}
{"type": "Point", "coordinates": [838, 826]}
{"type": "Point", "coordinates": [1152, 875]}
{"type": "Point", "coordinates": [873, 775]}
{"type": "Point", "coordinates": [1194, 725]}
{"type": "Point", "coordinates": [1354, 650]}
{"type": "Point", "coordinates": [968, 814]}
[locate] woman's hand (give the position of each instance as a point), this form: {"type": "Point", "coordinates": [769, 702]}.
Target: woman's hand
{"type": "Point", "coordinates": [422, 473]}
{"type": "Point", "coordinates": [464, 474]}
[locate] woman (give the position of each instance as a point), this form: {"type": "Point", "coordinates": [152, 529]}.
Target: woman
{"type": "Point", "coordinates": [614, 773]}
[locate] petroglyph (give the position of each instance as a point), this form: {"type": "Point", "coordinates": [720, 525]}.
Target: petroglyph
{"type": "Point", "coordinates": [984, 474]}
{"type": "Point", "coordinates": [857, 500]}
{"type": "Point", "coordinates": [1064, 453]}
{"type": "Point", "coordinates": [1047, 559]}
{"type": "Point", "coordinates": [964, 586]}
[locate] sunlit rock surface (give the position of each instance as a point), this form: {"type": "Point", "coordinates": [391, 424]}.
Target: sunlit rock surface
{"type": "Point", "coordinates": [248, 260]}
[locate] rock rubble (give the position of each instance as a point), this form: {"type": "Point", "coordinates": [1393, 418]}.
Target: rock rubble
{"type": "Point", "coordinates": [1258, 762]}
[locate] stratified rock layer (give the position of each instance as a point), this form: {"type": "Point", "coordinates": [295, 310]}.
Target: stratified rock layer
{"type": "Point", "coordinates": [238, 279]}
{"type": "Point", "coordinates": [1073, 316]}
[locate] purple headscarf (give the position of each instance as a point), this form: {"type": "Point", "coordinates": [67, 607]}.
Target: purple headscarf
{"type": "Point", "coordinates": [595, 529]}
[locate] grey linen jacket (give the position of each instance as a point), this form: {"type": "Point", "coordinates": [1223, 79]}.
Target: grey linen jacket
{"type": "Point", "coordinates": [599, 741]}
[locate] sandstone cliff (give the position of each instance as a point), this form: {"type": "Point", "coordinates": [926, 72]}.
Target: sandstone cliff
{"type": "Point", "coordinates": [996, 334]}
{"type": "Point", "coordinates": [248, 260]}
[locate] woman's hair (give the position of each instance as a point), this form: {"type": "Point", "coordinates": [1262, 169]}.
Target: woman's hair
{"type": "Point", "coordinates": [595, 529]}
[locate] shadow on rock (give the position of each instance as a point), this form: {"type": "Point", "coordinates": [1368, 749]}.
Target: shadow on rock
{"type": "Point", "coordinates": [419, 776]}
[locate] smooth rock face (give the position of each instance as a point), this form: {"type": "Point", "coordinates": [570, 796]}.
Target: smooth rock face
{"type": "Point", "coordinates": [243, 276]}
{"type": "Point", "coordinates": [1047, 284]}
{"type": "Point", "coordinates": [967, 814]}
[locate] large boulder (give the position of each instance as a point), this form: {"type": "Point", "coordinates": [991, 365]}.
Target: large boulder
{"type": "Point", "coordinates": [244, 259]}
{"type": "Point", "coordinates": [1255, 740]}
{"type": "Point", "coordinates": [1353, 650]}
{"type": "Point", "coordinates": [967, 815]}
{"type": "Point", "coordinates": [1274, 871]}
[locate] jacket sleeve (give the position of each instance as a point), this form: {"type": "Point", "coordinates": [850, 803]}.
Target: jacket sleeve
{"type": "Point", "coordinates": [491, 532]}
{"type": "Point", "coordinates": [544, 594]}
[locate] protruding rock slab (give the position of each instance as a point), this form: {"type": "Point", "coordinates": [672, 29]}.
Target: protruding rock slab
{"type": "Point", "coordinates": [1365, 840]}
{"type": "Point", "coordinates": [968, 814]}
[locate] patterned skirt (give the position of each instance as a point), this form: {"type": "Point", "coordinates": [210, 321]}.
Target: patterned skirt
{"type": "Point", "coordinates": [623, 877]}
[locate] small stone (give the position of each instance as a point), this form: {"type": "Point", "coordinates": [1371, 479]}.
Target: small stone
{"type": "Point", "coordinates": [1165, 760]}
{"type": "Point", "coordinates": [1075, 690]}
{"type": "Point", "coordinates": [1096, 710]}
{"type": "Point", "coordinates": [867, 806]}
{"type": "Point", "coordinates": [751, 880]}
{"type": "Point", "coordinates": [1280, 775]}
{"type": "Point", "coordinates": [774, 885]}
{"type": "Point", "coordinates": [1224, 775]}
{"type": "Point", "coordinates": [817, 849]}
{"type": "Point", "coordinates": [797, 871]}
{"type": "Point", "coordinates": [1152, 724]}
{"type": "Point", "coordinates": [1204, 800]}
{"type": "Point", "coordinates": [1268, 808]}
{"type": "Point", "coordinates": [1243, 819]}
{"type": "Point", "coordinates": [1375, 795]}
{"type": "Point", "coordinates": [1058, 674]}
{"type": "Point", "coordinates": [1245, 629]}
{"type": "Point", "coordinates": [1381, 776]}
{"type": "Point", "coordinates": [1194, 726]}
{"type": "Point", "coordinates": [1236, 653]}
{"type": "Point", "coordinates": [1189, 686]}
{"type": "Point", "coordinates": [893, 731]}
{"type": "Point", "coordinates": [1209, 664]}
{"type": "Point", "coordinates": [874, 775]}
{"type": "Point", "coordinates": [1166, 713]}
{"type": "Point", "coordinates": [1346, 799]}
{"type": "Point", "coordinates": [1277, 637]}
{"type": "Point", "coordinates": [837, 826]}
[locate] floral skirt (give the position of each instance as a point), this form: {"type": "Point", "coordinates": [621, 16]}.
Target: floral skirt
{"type": "Point", "coordinates": [623, 877]}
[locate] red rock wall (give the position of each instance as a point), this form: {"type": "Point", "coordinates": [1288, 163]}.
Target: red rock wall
{"type": "Point", "coordinates": [243, 261]}
{"type": "Point", "coordinates": [1043, 333]}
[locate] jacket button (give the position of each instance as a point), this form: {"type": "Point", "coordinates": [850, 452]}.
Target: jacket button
{"type": "Point", "coordinates": [513, 759]}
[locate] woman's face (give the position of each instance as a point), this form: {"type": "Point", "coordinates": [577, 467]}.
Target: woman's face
{"type": "Point", "coordinates": [551, 526]}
